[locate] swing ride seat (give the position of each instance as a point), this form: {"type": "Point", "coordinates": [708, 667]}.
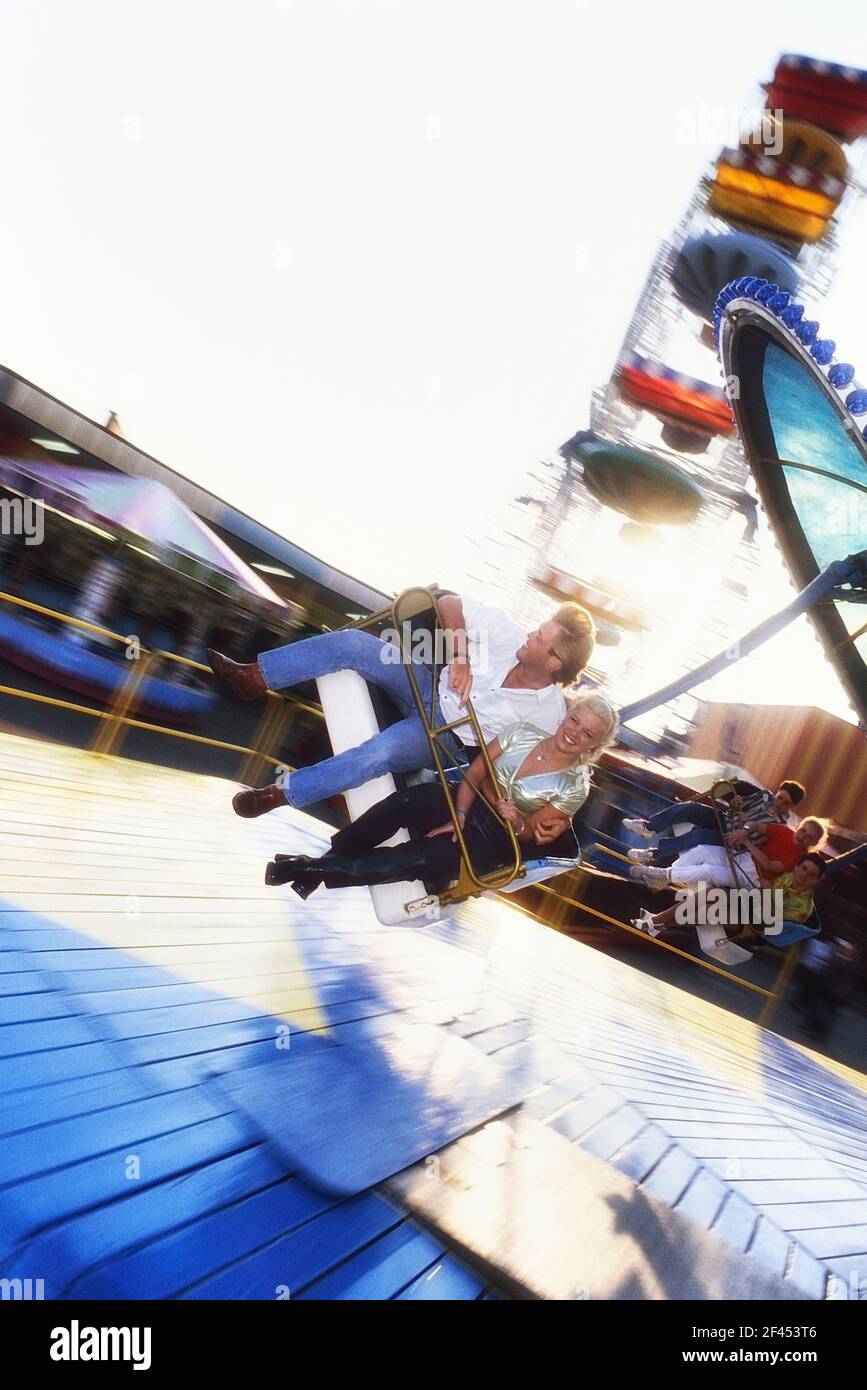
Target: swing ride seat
{"type": "Point", "coordinates": [353, 713]}
{"type": "Point", "coordinates": [732, 950]}
{"type": "Point", "coordinates": [560, 857]}
{"type": "Point", "coordinates": [793, 932]}
{"type": "Point", "coordinates": [713, 940]}
{"type": "Point", "coordinates": [351, 718]}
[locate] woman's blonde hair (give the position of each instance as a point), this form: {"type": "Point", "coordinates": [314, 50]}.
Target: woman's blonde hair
{"type": "Point", "coordinates": [823, 825]}
{"type": "Point", "coordinates": [596, 703]}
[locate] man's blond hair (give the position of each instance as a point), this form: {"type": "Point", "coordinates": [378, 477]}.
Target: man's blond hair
{"type": "Point", "coordinates": [576, 644]}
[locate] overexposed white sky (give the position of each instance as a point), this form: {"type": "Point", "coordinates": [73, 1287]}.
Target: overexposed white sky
{"type": "Point", "coordinates": [323, 256]}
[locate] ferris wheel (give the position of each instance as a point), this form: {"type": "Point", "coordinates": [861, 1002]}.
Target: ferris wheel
{"type": "Point", "coordinates": [661, 462]}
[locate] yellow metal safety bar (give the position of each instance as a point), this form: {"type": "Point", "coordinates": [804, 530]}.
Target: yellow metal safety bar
{"type": "Point", "coordinates": [652, 941]}
{"type": "Point", "coordinates": [736, 869]}
{"type": "Point", "coordinates": [853, 637]}
{"type": "Point", "coordinates": [470, 883]}
{"type": "Point", "coordinates": [746, 932]}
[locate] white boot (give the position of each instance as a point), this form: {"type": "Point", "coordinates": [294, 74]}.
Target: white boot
{"type": "Point", "coordinates": [638, 827]}
{"type": "Point", "coordinates": [654, 879]}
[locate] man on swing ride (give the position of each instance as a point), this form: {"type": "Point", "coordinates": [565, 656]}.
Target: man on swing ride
{"type": "Point", "coordinates": [513, 676]}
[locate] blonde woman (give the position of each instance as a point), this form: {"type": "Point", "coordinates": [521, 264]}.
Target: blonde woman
{"type": "Point", "coordinates": [542, 780]}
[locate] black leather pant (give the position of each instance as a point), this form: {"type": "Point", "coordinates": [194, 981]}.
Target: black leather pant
{"type": "Point", "coordinates": [356, 859]}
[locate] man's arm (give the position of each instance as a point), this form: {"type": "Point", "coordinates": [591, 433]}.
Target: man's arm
{"type": "Point", "coordinates": [455, 626]}
{"type": "Point", "coordinates": [769, 867]}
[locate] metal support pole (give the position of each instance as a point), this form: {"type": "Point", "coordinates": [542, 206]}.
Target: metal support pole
{"type": "Point", "coordinates": [109, 734]}
{"type": "Point", "coordinates": [782, 980]}
{"type": "Point", "coordinates": [269, 737]}
{"type": "Point", "coordinates": [840, 572]}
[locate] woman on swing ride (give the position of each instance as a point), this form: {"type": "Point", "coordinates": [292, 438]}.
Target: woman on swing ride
{"type": "Point", "coordinates": [542, 781]}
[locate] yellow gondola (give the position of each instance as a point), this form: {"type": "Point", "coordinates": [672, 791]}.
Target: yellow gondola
{"type": "Point", "coordinates": [792, 193]}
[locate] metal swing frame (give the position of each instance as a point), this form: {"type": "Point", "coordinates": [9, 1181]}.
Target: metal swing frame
{"type": "Point", "coordinates": [406, 606]}
{"type": "Point", "coordinates": [470, 881]}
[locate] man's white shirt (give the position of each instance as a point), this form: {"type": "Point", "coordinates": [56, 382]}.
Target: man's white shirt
{"type": "Point", "coordinates": [492, 643]}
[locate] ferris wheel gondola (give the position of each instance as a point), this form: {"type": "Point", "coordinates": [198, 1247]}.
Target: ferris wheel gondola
{"type": "Point", "coordinates": [791, 195]}
{"type": "Point", "coordinates": [710, 260]}
{"type": "Point", "coordinates": [831, 95]}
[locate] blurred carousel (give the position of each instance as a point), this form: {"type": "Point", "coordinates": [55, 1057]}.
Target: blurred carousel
{"type": "Point", "coordinates": [134, 568]}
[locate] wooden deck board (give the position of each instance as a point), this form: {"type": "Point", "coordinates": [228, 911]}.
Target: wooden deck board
{"type": "Point", "coordinates": [141, 955]}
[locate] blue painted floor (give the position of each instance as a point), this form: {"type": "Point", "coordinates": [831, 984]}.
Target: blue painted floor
{"type": "Point", "coordinates": [142, 958]}
{"type": "Point", "coordinates": [139, 957]}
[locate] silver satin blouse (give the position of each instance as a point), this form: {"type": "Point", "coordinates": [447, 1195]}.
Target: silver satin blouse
{"type": "Point", "coordinates": [566, 789]}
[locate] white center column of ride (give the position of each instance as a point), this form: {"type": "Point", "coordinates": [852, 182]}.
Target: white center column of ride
{"type": "Point", "coordinates": [351, 719]}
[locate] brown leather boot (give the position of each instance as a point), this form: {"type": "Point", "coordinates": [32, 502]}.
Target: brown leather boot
{"type": "Point", "coordinates": [255, 801]}
{"type": "Point", "coordinates": [244, 678]}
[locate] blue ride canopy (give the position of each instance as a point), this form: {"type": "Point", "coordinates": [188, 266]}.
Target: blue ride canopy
{"type": "Point", "coordinates": [708, 262]}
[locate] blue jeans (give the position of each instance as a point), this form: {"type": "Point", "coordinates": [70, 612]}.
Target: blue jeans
{"type": "Point", "coordinates": [703, 818]}
{"type": "Point", "coordinates": [401, 748]}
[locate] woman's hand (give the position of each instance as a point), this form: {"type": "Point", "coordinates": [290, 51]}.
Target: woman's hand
{"type": "Point", "coordinates": [509, 812]}
{"type": "Point", "coordinates": [550, 827]}
{"type": "Point", "coordinates": [447, 829]}
{"type": "Point", "coordinates": [736, 837]}
{"type": "Point", "coordinates": [461, 678]}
